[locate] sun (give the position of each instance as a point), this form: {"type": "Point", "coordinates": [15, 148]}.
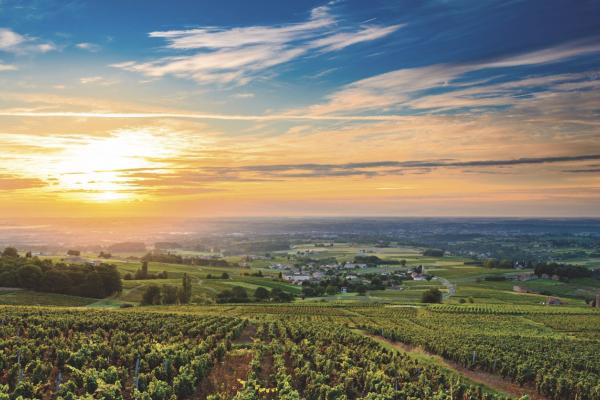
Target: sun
{"type": "Point", "coordinates": [104, 169]}
{"type": "Point", "coordinates": [111, 196]}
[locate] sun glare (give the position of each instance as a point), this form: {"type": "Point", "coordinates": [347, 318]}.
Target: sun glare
{"type": "Point", "coordinates": [101, 170]}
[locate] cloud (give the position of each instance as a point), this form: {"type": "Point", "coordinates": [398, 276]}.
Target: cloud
{"type": "Point", "coordinates": [260, 172]}
{"type": "Point", "coordinates": [237, 55]}
{"type": "Point", "coordinates": [411, 88]}
{"type": "Point", "coordinates": [339, 41]}
{"type": "Point", "coordinates": [245, 95]}
{"type": "Point", "coordinates": [7, 67]}
{"type": "Point", "coordinates": [9, 39]}
{"type": "Point", "coordinates": [14, 182]}
{"type": "Point", "coordinates": [92, 47]}
{"type": "Point", "coordinates": [98, 80]}
{"type": "Point", "coordinates": [592, 170]}
{"type": "Point", "coordinates": [367, 168]}
{"type": "Point", "coordinates": [201, 116]}
{"type": "Point", "coordinates": [14, 42]}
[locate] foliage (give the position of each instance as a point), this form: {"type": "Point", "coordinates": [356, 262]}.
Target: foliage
{"type": "Point", "coordinates": [32, 273]}
{"type": "Point", "coordinates": [432, 295]}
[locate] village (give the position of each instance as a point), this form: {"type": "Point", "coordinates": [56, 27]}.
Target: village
{"type": "Point", "coordinates": [350, 276]}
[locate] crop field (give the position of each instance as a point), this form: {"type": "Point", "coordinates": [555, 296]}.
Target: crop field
{"type": "Point", "coordinates": [309, 351]}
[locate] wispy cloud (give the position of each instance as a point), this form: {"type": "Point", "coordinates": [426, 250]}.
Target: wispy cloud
{"type": "Point", "coordinates": [200, 116]}
{"type": "Point", "coordinates": [15, 182]}
{"type": "Point", "coordinates": [13, 42]}
{"type": "Point", "coordinates": [411, 88]}
{"type": "Point", "coordinates": [92, 47]}
{"type": "Point", "coordinates": [7, 67]}
{"type": "Point", "coordinates": [245, 95]}
{"type": "Point", "coordinates": [98, 80]}
{"type": "Point", "coordinates": [236, 55]}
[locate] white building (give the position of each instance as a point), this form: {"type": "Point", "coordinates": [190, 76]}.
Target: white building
{"type": "Point", "coordinates": [296, 279]}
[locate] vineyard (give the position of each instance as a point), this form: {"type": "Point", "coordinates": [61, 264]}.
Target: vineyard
{"type": "Point", "coordinates": [291, 352]}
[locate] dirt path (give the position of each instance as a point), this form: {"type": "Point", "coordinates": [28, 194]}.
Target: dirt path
{"type": "Point", "coordinates": [225, 375]}
{"type": "Point", "coordinates": [491, 381]}
{"type": "Point", "coordinates": [246, 336]}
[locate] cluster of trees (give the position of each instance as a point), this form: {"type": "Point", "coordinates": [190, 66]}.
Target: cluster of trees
{"type": "Point", "coordinates": [168, 294]}
{"type": "Point", "coordinates": [493, 263]}
{"type": "Point", "coordinates": [372, 260]}
{"type": "Point", "coordinates": [434, 253]}
{"type": "Point", "coordinates": [238, 294]}
{"type": "Point", "coordinates": [97, 281]}
{"type": "Point", "coordinates": [334, 284]}
{"type": "Point", "coordinates": [433, 295]}
{"type": "Point", "coordinates": [224, 275]}
{"type": "Point", "coordinates": [562, 270]}
{"type": "Point", "coordinates": [171, 258]}
{"type": "Point", "coordinates": [143, 273]}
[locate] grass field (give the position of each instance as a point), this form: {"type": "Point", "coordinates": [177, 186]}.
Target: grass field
{"type": "Point", "coordinates": [30, 298]}
{"type": "Point", "coordinates": [467, 281]}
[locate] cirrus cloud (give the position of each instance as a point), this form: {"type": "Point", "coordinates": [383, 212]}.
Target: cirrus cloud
{"type": "Point", "coordinates": [237, 55]}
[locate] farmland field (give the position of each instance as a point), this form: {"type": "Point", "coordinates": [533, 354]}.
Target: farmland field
{"type": "Point", "coordinates": [298, 351]}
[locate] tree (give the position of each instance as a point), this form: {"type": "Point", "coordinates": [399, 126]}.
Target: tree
{"type": "Point", "coordinates": [330, 290]}
{"type": "Point", "coordinates": [279, 295]}
{"type": "Point", "coordinates": [224, 275]}
{"type": "Point", "coordinates": [169, 294]}
{"type": "Point", "coordinates": [432, 296]}
{"type": "Point", "coordinates": [104, 255]}
{"type": "Point", "coordinates": [361, 289]}
{"type": "Point", "coordinates": [186, 289]}
{"type": "Point", "coordinates": [261, 294]}
{"type": "Point", "coordinates": [239, 294]}
{"type": "Point", "coordinates": [29, 276]}
{"type": "Point", "coordinates": [93, 286]}
{"type": "Point", "coordinates": [111, 279]}
{"type": "Point", "coordinates": [151, 296]}
{"type": "Point", "coordinates": [10, 252]}
{"type": "Point", "coordinates": [56, 282]}
{"type": "Point", "coordinates": [144, 273]}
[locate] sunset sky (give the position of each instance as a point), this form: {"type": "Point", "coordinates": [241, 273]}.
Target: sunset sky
{"type": "Point", "coordinates": [290, 108]}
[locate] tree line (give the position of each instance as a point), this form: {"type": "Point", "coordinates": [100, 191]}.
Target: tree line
{"type": "Point", "coordinates": [168, 294]}
{"type": "Point", "coordinates": [171, 258]}
{"type": "Point", "coordinates": [238, 294]}
{"type": "Point", "coordinates": [33, 273]}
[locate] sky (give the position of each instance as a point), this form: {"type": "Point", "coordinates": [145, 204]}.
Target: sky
{"type": "Point", "coordinates": [303, 108]}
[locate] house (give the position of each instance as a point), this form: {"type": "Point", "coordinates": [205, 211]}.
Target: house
{"type": "Point", "coordinates": [296, 279]}
{"type": "Point", "coordinates": [417, 276]}
{"type": "Point", "coordinates": [281, 267]}
{"type": "Point", "coordinates": [354, 266]}
{"type": "Point", "coordinates": [344, 290]}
